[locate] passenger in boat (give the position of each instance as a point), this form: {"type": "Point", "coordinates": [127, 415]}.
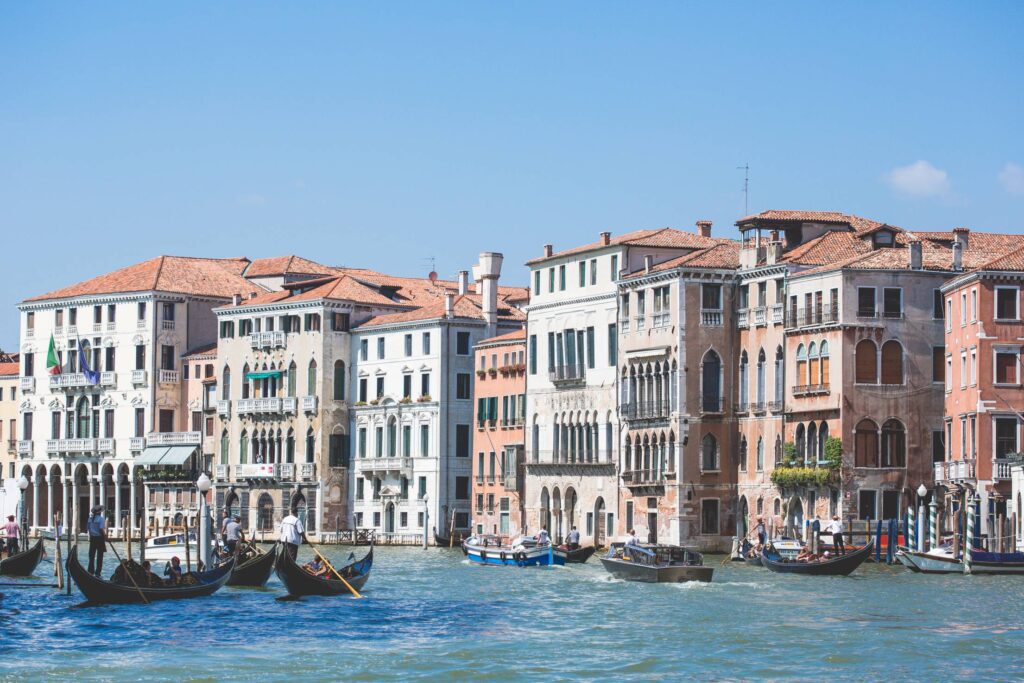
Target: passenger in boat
{"type": "Point", "coordinates": [573, 540]}
{"type": "Point", "coordinates": [173, 570]}
{"type": "Point", "coordinates": [151, 579]}
{"type": "Point", "coordinates": [12, 530]}
{"type": "Point", "coordinates": [762, 535]}
{"type": "Point", "coordinates": [97, 527]}
{"type": "Point", "coordinates": [316, 567]}
{"type": "Point", "coordinates": [805, 555]}
{"type": "Point", "coordinates": [835, 527]}
{"type": "Point", "coordinates": [292, 534]}
{"type": "Point", "coordinates": [542, 537]}
{"type": "Point", "coordinates": [632, 539]}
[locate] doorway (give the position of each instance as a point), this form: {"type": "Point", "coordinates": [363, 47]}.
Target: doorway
{"type": "Point", "coordinates": [652, 527]}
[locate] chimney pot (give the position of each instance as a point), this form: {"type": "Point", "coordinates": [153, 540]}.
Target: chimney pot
{"type": "Point", "coordinates": [463, 281]}
{"type": "Point", "coordinates": [548, 250]}
{"type": "Point", "coordinates": [236, 299]}
{"type": "Point", "coordinates": [960, 235]}
{"type": "Point", "coordinates": [958, 253]}
{"type": "Point", "coordinates": [606, 238]}
{"type": "Point", "coordinates": [915, 256]}
{"type": "Point", "coordinates": [490, 271]}
{"type": "Point", "coordinates": [448, 300]}
{"type": "Point", "coordinates": [704, 228]}
{"type": "Point", "coordinates": [648, 262]}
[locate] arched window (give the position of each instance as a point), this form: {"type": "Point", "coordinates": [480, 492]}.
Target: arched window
{"type": "Point", "coordinates": [243, 448]}
{"type": "Point", "coordinates": [799, 442]}
{"type": "Point", "coordinates": [865, 444]}
{"type": "Point", "coordinates": [245, 381]}
{"type": "Point", "coordinates": [892, 362]}
{"type": "Point", "coordinates": [310, 445]}
{"type": "Point", "coordinates": [339, 380]}
{"type": "Point", "coordinates": [812, 443]}
{"type": "Point", "coordinates": [225, 384]}
{"type": "Point", "coordinates": [866, 364]}
{"type": "Point", "coordinates": [822, 438]}
{"type": "Point", "coordinates": [743, 381]}
{"type": "Point", "coordinates": [709, 454]}
{"type": "Point", "coordinates": [265, 513]}
{"type": "Point", "coordinates": [83, 410]}
{"type": "Point", "coordinates": [671, 452]}
{"type": "Point", "coordinates": [741, 457]}
{"type": "Point", "coordinates": [711, 383]}
{"type": "Point", "coordinates": [760, 461]}
{"type": "Point", "coordinates": [778, 450]}
{"type": "Point", "coordinates": [311, 379]}
{"type": "Point", "coordinates": [392, 437]}
{"type": "Point", "coordinates": [291, 379]}
{"type": "Point", "coordinates": [780, 376]}
{"type": "Point", "coordinates": [289, 446]}
{"type": "Point", "coordinates": [823, 354]}
{"type": "Point", "coordinates": [813, 366]}
{"type": "Point", "coordinates": [628, 455]}
{"type": "Point", "coordinates": [894, 444]}
{"type": "Point", "coordinates": [760, 377]}
{"type": "Point", "coordinates": [801, 365]}
{"type": "Point", "coordinates": [225, 447]}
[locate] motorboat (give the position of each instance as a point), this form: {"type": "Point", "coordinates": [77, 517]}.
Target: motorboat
{"type": "Point", "coordinates": [938, 560]}
{"type": "Point", "coordinates": [521, 552]}
{"type": "Point", "coordinates": [163, 548]}
{"type": "Point", "coordinates": [656, 563]}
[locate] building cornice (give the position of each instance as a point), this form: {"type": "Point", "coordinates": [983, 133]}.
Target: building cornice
{"type": "Point", "coordinates": [114, 297]}
{"type": "Point", "coordinates": [609, 296]}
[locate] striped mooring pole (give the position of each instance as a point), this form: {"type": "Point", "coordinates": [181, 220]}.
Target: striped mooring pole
{"type": "Point", "coordinates": [933, 525]}
{"type": "Point", "coordinates": [911, 529]}
{"type": "Point", "coordinates": [969, 544]}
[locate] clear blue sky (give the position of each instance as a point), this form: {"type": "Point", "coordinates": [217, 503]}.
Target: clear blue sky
{"type": "Point", "coordinates": [381, 134]}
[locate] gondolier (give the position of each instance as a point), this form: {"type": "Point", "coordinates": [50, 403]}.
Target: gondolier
{"type": "Point", "coordinates": [97, 527]}
{"type": "Point", "coordinates": [573, 541]}
{"type": "Point", "coordinates": [292, 534]}
{"type": "Point", "coordinates": [835, 527]}
{"type": "Point", "coordinates": [762, 536]}
{"type": "Point", "coordinates": [13, 532]}
{"type": "Point", "coordinates": [232, 534]}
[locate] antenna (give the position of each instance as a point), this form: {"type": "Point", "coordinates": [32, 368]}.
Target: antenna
{"type": "Point", "coordinates": [431, 261]}
{"type": "Point", "coordinates": [746, 188]}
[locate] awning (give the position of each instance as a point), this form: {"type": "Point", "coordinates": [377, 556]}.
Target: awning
{"type": "Point", "coordinates": [165, 455]}
{"type": "Point", "coordinates": [264, 375]}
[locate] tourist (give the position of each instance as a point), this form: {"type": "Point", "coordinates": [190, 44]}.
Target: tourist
{"type": "Point", "coordinates": [232, 534]}
{"type": "Point", "coordinates": [632, 539]}
{"type": "Point", "coordinates": [573, 541]}
{"type": "Point", "coordinates": [543, 538]}
{"type": "Point", "coordinates": [805, 555]}
{"type": "Point", "coordinates": [316, 567]}
{"type": "Point", "coordinates": [835, 527]}
{"type": "Point", "coordinates": [762, 535]}
{"type": "Point", "coordinates": [292, 534]}
{"type": "Point", "coordinates": [13, 532]}
{"type": "Point", "coordinates": [97, 527]}
{"type": "Point", "coordinates": [173, 570]}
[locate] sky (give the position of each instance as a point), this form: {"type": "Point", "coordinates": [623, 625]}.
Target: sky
{"type": "Point", "coordinates": [393, 136]}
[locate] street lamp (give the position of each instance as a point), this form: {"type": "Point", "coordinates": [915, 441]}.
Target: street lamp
{"type": "Point", "coordinates": [23, 484]}
{"type": "Point", "coordinates": [203, 486]}
{"type": "Point", "coordinates": [426, 520]}
{"type": "Point", "coordinates": [922, 491]}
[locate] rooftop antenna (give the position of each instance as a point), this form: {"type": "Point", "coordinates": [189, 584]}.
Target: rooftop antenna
{"type": "Point", "coordinates": [746, 187]}
{"type": "Point", "coordinates": [433, 269]}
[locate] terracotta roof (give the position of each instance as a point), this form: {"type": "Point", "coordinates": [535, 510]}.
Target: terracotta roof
{"type": "Point", "coordinates": [284, 265]}
{"type": "Point", "coordinates": [343, 288]}
{"type": "Point", "coordinates": [422, 291]}
{"type": "Point", "coordinates": [202, 351]}
{"type": "Point", "coordinates": [1013, 261]}
{"type": "Point", "coordinates": [174, 274]}
{"type": "Point", "coordinates": [668, 238]}
{"type": "Point", "coordinates": [833, 245]}
{"type": "Point", "coordinates": [9, 369]}
{"type": "Point", "coordinates": [721, 256]}
{"type": "Point", "coordinates": [463, 306]}
{"type": "Point", "coordinates": [517, 336]}
{"type": "Point", "coordinates": [858, 223]}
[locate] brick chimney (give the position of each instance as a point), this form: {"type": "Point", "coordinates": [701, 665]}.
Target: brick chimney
{"type": "Point", "coordinates": [915, 255]}
{"type": "Point", "coordinates": [960, 235]}
{"type": "Point", "coordinates": [490, 271]}
{"type": "Point", "coordinates": [606, 238]}
{"type": "Point", "coordinates": [236, 299]}
{"type": "Point", "coordinates": [548, 249]}
{"type": "Point", "coordinates": [958, 256]}
{"type": "Point", "coordinates": [704, 228]}
{"type": "Point", "coordinates": [448, 304]}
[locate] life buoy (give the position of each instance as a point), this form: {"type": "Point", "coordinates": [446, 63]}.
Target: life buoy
{"type": "Point", "coordinates": [520, 556]}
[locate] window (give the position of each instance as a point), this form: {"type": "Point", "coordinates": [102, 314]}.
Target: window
{"type": "Point", "coordinates": [593, 271]}
{"type": "Point", "coordinates": [709, 516]}
{"type": "Point", "coordinates": [963, 308]}
{"type": "Point", "coordinates": [361, 442]}
{"type": "Point", "coordinates": [339, 380]}
{"type": "Point", "coordinates": [380, 348]}
{"type": "Point", "coordinates": [883, 238]}
{"type": "Point", "coordinates": [462, 385]}
{"type": "Point", "coordinates": [892, 302]}
{"type": "Point", "coordinates": [866, 362]}
{"type": "Point", "coordinates": [1006, 303]}
{"type": "Point", "coordinates": [424, 441]}
{"type": "Point", "coordinates": [425, 384]}
{"type": "Point", "coordinates": [974, 304]}
{"type": "Point", "coordinates": [949, 315]}
{"type": "Point", "coordinates": [462, 343]}
{"type": "Point", "coordinates": [711, 297]}
{"type": "Point", "coordinates": [938, 364]}
{"type": "Point", "coordinates": [865, 444]}
{"type": "Point", "coordinates": [408, 345]}
{"type": "Point", "coordinates": [866, 302]}
{"type": "Point", "coordinates": [533, 354]}
{"type": "Point", "coordinates": [711, 383]}
{"type": "Point", "coordinates": [937, 304]}
{"type": "Point", "coordinates": [166, 357]}
{"type": "Point", "coordinates": [662, 315]}
{"type": "Point", "coordinates": [362, 390]}
{"type": "Point", "coordinates": [551, 280]}
{"type": "Point", "coordinates": [760, 454]}
{"type": "Point", "coordinates": [462, 488]}
{"type": "Point", "coordinates": [615, 267]}
{"type": "Point", "coordinates": [359, 488]}
{"type": "Point", "coordinates": [407, 386]}
{"type": "Point", "coordinates": [340, 322]}
{"type": "Point", "coordinates": [1006, 436]}
{"type": "Point", "coordinates": [426, 343]}
{"type": "Point", "coordinates": [974, 367]}
{"type": "Point", "coordinates": [641, 308]}
{"type": "Point", "coordinates": [892, 362]}
{"type": "Point", "coordinates": [364, 349]}
{"type": "Point", "coordinates": [1006, 363]}
{"type": "Point", "coordinates": [311, 379]}
{"type": "Point", "coordinates": [561, 278]}
{"type": "Point", "coordinates": [709, 454]}
{"type": "Point", "coordinates": [583, 273]}
{"type": "Point", "coordinates": [938, 451]}
{"type": "Point", "coordinates": [380, 388]}
{"type": "Point", "coordinates": [801, 365]}
{"type": "Point", "coordinates": [536, 282]}
{"type": "Point", "coordinates": [894, 444]}
{"type": "Point", "coordinates": [462, 441]}
{"type": "Point", "coordinates": [590, 347]}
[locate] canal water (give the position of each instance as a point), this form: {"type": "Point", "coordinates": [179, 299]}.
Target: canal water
{"type": "Point", "coordinates": [429, 614]}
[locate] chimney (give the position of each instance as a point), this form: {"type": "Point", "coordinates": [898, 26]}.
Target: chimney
{"type": "Point", "coordinates": [704, 228]}
{"type": "Point", "coordinates": [477, 289]}
{"type": "Point", "coordinates": [463, 281]}
{"type": "Point", "coordinates": [606, 238]}
{"type": "Point", "coordinates": [960, 235]}
{"type": "Point", "coordinates": [915, 255]}
{"type": "Point", "coordinates": [490, 271]}
{"type": "Point", "coordinates": [236, 299]}
{"type": "Point", "coordinates": [648, 262]}
{"type": "Point", "coordinates": [774, 235]}
{"type": "Point", "coordinates": [548, 250]}
{"type": "Point", "coordinates": [448, 300]}
{"type": "Point", "coordinates": [958, 255]}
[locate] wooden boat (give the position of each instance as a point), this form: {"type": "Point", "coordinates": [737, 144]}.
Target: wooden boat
{"type": "Point", "coordinates": [579, 555]}
{"type": "Point", "coordinates": [997, 563]}
{"type": "Point", "coordinates": [23, 563]}
{"type": "Point", "coordinates": [254, 571]}
{"type": "Point", "coordinates": [299, 582]}
{"type": "Point", "coordinates": [841, 565]}
{"type": "Point", "coordinates": [453, 541]}
{"type": "Point", "coordinates": [523, 552]}
{"type": "Point", "coordinates": [656, 564]}
{"type": "Point", "coordinates": [98, 591]}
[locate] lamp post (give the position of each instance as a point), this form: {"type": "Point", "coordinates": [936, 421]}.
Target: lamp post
{"type": "Point", "coordinates": [426, 520]}
{"type": "Point", "coordinates": [203, 485]}
{"type": "Point", "coordinates": [22, 484]}
{"type": "Point", "coordinates": [922, 491]}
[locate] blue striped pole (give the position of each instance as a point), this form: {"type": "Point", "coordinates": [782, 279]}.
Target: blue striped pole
{"type": "Point", "coordinates": [890, 550]}
{"type": "Point", "coordinates": [911, 535]}
{"type": "Point", "coordinates": [878, 542]}
{"type": "Point", "coordinates": [969, 545]}
{"type": "Point", "coordinates": [933, 525]}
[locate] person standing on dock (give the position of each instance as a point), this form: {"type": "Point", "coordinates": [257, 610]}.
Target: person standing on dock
{"type": "Point", "coordinates": [97, 527]}
{"type": "Point", "coordinates": [12, 531]}
{"type": "Point", "coordinates": [292, 534]}
{"type": "Point", "coordinates": [835, 527]}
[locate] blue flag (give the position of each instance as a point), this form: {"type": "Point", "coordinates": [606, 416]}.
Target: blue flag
{"type": "Point", "coordinates": [91, 375]}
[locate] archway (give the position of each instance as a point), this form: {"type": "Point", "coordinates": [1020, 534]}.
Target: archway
{"type": "Point", "coordinates": [571, 500]}
{"type": "Point", "coordinates": [742, 518]}
{"type": "Point", "coordinates": [82, 501]}
{"type": "Point", "coordinates": [600, 533]}
{"type": "Point", "coordinates": [56, 494]}
{"type": "Point", "coordinates": [556, 510]}
{"type": "Point", "coordinates": [41, 515]}
{"type": "Point", "coordinates": [389, 518]}
{"type": "Point", "coordinates": [795, 516]}
{"type": "Point", "coordinates": [545, 509]}
{"type": "Point", "coordinates": [265, 512]}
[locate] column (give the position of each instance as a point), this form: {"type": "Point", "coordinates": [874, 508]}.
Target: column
{"type": "Point", "coordinates": [35, 501]}
{"type": "Point", "coordinates": [92, 492]}
{"type": "Point", "coordinates": [117, 501]}
{"type": "Point", "coordinates": [132, 506]}
{"type": "Point", "coordinates": [74, 504]}
{"type": "Point", "coordinates": [65, 504]}
{"type": "Point", "coordinates": [103, 496]}
{"type": "Point", "coordinates": [49, 499]}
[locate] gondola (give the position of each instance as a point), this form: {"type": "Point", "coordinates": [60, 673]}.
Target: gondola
{"type": "Point", "coordinates": [579, 555]}
{"type": "Point", "coordinates": [753, 560]}
{"type": "Point", "coordinates": [254, 571]}
{"type": "Point", "coordinates": [842, 565]}
{"type": "Point", "coordinates": [25, 562]}
{"type": "Point", "coordinates": [299, 582]}
{"type": "Point", "coordinates": [98, 591]}
{"type": "Point", "coordinates": [453, 541]}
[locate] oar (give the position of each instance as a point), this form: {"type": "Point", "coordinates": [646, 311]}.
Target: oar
{"type": "Point", "coordinates": [330, 566]}
{"type": "Point", "coordinates": [126, 571]}
{"type": "Point", "coordinates": [11, 584]}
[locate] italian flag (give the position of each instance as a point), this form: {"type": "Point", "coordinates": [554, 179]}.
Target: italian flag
{"type": "Point", "coordinates": [52, 359]}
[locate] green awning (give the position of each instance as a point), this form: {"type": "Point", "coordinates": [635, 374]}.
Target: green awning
{"type": "Point", "coordinates": [264, 375]}
{"type": "Point", "coordinates": [165, 455]}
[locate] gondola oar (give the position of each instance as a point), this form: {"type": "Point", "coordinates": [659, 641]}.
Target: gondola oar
{"type": "Point", "coordinates": [354, 592]}
{"type": "Point", "coordinates": [127, 571]}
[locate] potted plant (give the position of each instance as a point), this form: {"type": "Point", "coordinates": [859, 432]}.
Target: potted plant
{"type": "Point", "coordinates": [481, 374]}
{"type": "Point", "coordinates": [406, 399]}
{"type": "Point", "coordinates": [425, 398]}
{"type": "Point", "coordinates": [493, 372]}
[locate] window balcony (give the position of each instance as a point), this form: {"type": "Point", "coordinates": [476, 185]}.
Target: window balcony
{"type": "Point", "coordinates": [815, 316]}
{"type": "Point", "coordinates": [137, 444]}
{"type": "Point", "coordinates": [166, 324]}
{"type": "Point", "coordinates": [1001, 469]}
{"type": "Point", "coordinates": [30, 333]}
{"type": "Point", "coordinates": [140, 324]}
{"type": "Point", "coordinates": [646, 410]}
{"type": "Point", "coordinates": [24, 448]}
{"type": "Point", "coordinates": [224, 407]}
{"type": "Point", "coordinates": [77, 380]}
{"type": "Point", "coordinates": [775, 406]}
{"type": "Point", "coordinates": [111, 326]}
{"type": "Point", "coordinates": [760, 316]}
{"type": "Point", "coordinates": [740, 408]}
{"type": "Point", "coordinates": [758, 407]}
{"type": "Point", "coordinates": [810, 390]}
{"type": "Point", "coordinates": [268, 340]}
{"type": "Point", "coordinates": [743, 319]}
{"type": "Point", "coordinates": [568, 374]}
{"type": "Point", "coordinates": [956, 470]}
{"type": "Point", "coordinates": [220, 472]}
{"type": "Point", "coordinates": [309, 404]}
{"type": "Point", "coordinates": [140, 377]}
{"type": "Point", "coordinates": [265, 406]}
{"type": "Point", "coordinates": [168, 376]}
{"type": "Point", "coordinates": [641, 478]}
{"type": "Point", "coordinates": [174, 439]}
{"type": "Point", "coordinates": [307, 471]}
{"type": "Point", "coordinates": [394, 464]}
{"type": "Point", "coordinates": [777, 311]}
{"type": "Point", "coordinates": [257, 471]}
{"type": "Point", "coordinates": [287, 471]}
{"type": "Point", "coordinates": [80, 446]}
{"type": "Point", "coordinates": [711, 318]}
{"type": "Point", "coordinates": [72, 330]}
{"type": "Point", "coordinates": [27, 385]}
{"type": "Point", "coordinates": [867, 313]}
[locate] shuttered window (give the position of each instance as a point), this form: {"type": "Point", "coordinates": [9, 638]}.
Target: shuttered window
{"type": "Point", "coordinates": [1006, 303]}
{"type": "Point", "coordinates": [866, 362]}
{"type": "Point", "coordinates": [1006, 367]}
{"type": "Point", "coordinates": [938, 364]}
{"type": "Point", "coordinates": [892, 362]}
{"type": "Point", "coordinates": [866, 444]}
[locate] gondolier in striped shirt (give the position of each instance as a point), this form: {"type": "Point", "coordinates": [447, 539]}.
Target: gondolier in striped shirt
{"type": "Point", "coordinates": [292, 534]}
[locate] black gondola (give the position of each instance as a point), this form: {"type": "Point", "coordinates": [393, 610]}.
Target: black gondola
{"type": "Point", "coordinates": [98, 591]}
{"type": "Point", "coordinates": [841, 565]}
{"type": "Point", "coordinates": [255, 571]}
{"type": "Point", "coordinates": [23, 563]}
{"type": "Point", "coordinates": [579, 555]}
{"type": "Point", "coordinates": [299, 582]}
{"type": "Point", "coordinates": [454, 541]}
{"type": "Point", "coordinates": [753, 560]}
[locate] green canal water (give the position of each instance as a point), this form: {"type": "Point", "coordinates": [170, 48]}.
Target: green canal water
{"type": "Point", "coordinates": [430, 615]}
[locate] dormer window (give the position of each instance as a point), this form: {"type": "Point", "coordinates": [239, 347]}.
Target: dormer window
{"type": "Point", "coordinates": [883, 238]}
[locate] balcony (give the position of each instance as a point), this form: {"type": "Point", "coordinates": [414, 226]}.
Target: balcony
{"type": "Point", "coordinates": [167, 376]}
{"type": "Point", "coordinates": [777, 311]}
{"type": "Point", "coordinates": [82, 446]}
{"type": "Point", "coordinates": [384, 464]}
{"type": "Point", "coordinates": [740, 408]}
{"type": "Point", "coordinates": [111, 326]}
{"type": "Point", "coordinates": [711, 405]}
{"type": "Point", "coordinates": [758, 407]}
{"type": "Point", "coordinates": [309, 404]}
{"type": "Point", "coordinates": [307, 471]}
{"type": "Point", "coordinates": [140, 324]}
{"type": "Point", "coordinates": [810, 390]}
{"type": "Point", "coordinates": [139, 377]}
{"type": "Point", "coordinates": [224, 407]}
{"type": "Point", "coordinates": [30, 333]}
{"type": "Point", "coordinates": [166, 324]}
{"type": "Point", "coordinates": [220, 472]}
{"type": "Point", "coordinates": [137, 444]}
{"type": "Point", "coordinates": [256, 471]}
{"type": "Point", "coordinates": [27, 385]}
{"type": "Point", "coordinates": [174, 439]}
{"type": "Point", "coordinates": [760, 316]}
{"type": "Point", "coordinates": [568, 374]}
{"type": "Point", "coordinates": [1001, 469]}
{"type": "Point", "coordinates": [956, 470]}
{"type": "Point", "coordinates": [268, 340]}
{"type": "Point", "coordinates": [711, 318]}
{"type": "Point", "coordinates": [646, 410]}
{"type": "Point", "coordinates": [742, 318]}
{"type": "Point", "coordinates": [815, 316]}
{"type": "Point", "coordinates": [775, 406]}
{"type": "Point", "coordinates": [287, 471]}
{"type": "Point", "coordinates": [24, 449]}
{"type": "Point", "coordinates": [641, 478]}
{"type": "Point", "coordinates": [77, 380]}
{"type": "Point", "coordinates": [264, 406]}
